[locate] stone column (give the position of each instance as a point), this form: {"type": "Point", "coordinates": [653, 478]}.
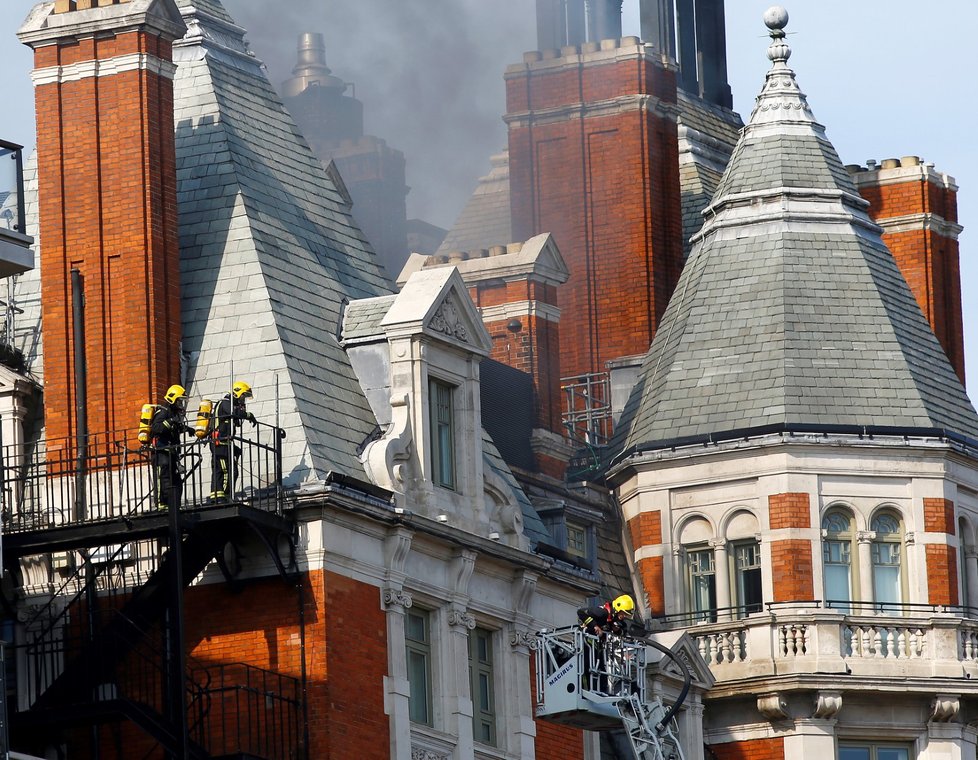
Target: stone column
{"type": "Point", "coordinates": [397, 546]}
{"type": "Point", "coordinates": [458, 700]}
{"type": "Point", "coordinates": [517, 696]}
{"type": "Point", "coordinates": [864, 559]}
{"type": "Point", "coordinates": [396, 685]}
{"type": "Point", "coordinates": [721, 568]}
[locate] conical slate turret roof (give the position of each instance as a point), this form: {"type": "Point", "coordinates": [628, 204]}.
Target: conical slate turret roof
{"type": "Point", "coordinates": [790, 311]}
{"type": "Point", "coordinates": [269, 252]}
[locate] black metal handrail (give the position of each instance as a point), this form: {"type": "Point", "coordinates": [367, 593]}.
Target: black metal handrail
{"type": "Point", "coordinates": [253, 711]}
{"type": "Point", "coordinates": [45, 484]}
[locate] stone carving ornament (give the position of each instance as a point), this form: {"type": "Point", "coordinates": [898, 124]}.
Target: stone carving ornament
{"type": "Point", "coordinates": [447, 319]}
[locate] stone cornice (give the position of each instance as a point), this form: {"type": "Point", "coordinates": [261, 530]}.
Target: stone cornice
{"type": "Point", "coordinates": [44, 27]}
{"type": "Point", "coordinates": [917, 222]}
{"type": "Point", "coordinates": [595, 109]}
{"type": "Point", "coordinates": [520, 309]}
{"type": "Point", "coordinates": [88, 69]}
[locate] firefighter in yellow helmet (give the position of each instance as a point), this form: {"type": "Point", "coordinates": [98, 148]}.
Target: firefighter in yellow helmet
{"type": "Point", "coordinates": [228, 416]}
{"type": "Point", "coordinates": [169, 421]}
{"type": "Point", "coordinates": [607, 618]}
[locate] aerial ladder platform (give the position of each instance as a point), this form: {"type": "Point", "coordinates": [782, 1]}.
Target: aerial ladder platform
{"type": "Point", "coordinates": [600, 684]}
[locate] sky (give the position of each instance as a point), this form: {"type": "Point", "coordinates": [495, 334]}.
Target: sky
{"type": "Point", "coordinates": [888, 78]}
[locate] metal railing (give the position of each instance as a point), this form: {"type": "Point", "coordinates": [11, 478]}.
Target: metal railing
{"type": "Point", "coordinates": [254, 712]}
{"type": "Point", "coordinates": [587, 408]}
{"type": "Point", "coordinates": [12, 209]}
{"type": "Point", "coordinates": [73, 481]}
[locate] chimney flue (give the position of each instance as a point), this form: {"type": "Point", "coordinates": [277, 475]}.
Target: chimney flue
{"type": "Point", "coordinates": [310, 68]}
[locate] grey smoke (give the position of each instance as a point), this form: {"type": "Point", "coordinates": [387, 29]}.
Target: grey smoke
{"type": "Point", "coordinates": [429, 73]}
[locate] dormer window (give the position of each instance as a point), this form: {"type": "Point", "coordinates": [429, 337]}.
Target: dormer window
{"type": "Point", "coordinates": [442, 414]}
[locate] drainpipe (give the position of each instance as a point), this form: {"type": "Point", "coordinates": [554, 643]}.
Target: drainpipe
{"type": "Point", "coordinates": [81, 394]}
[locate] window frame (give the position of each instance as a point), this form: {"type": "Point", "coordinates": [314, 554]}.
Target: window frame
{"type": "Point", "coordinates": [421, 648]}
{"type": "Point", "coordinates": [701, 614]}
{"type": "Point", "coordinates": [889, 539]}
{"type": "Point", "coordinates": [738, 575]}
{"type": "Point", "coordinates": [483, 671]}
{"type": "Point", "coordinates": [846, 541]}
{"type": "Point", "coordinates": [442, 464]}
{"type": "Point", "coordinates": [873, 748]}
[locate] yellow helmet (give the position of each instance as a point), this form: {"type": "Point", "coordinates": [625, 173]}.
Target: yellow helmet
{"type": "Point", "coordinates": [176, 395]}
{"type": "Point", "coordinates": [624, 603]}
{"type": "Point", "coordinates": [241, 390]}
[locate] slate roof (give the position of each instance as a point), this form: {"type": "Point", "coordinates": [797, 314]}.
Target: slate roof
{"type": "Point", "coordinates": [485, 221]}
{"type": "Point", "coordinates": [269, 252]}
{"type": "Point", "coordinates": [790, 310]}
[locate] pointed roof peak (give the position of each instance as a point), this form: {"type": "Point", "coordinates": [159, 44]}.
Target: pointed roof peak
{"type": "Point", "coordinates": [781, 100]}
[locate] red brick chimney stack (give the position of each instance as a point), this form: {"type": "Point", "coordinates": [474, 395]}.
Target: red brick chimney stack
{"type": "Point", "coordinates": [103, 76]}
{"type": "Point", "coordinates": [917, 208]}
{"type": "Point", "coordinates": [594, 160]}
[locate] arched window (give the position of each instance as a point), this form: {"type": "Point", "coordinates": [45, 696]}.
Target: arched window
{"type": "Point", "coordinates": [887, 560]}
{"type": "Point", "coordinates": [837, 542]}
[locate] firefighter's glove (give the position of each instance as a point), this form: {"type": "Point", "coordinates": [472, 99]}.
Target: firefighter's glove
{"type": "Point", "coordinates": [251, 418]}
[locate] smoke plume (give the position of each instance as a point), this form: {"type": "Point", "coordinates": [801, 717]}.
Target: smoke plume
{"type": "Point", "coordinates": [429, 73]}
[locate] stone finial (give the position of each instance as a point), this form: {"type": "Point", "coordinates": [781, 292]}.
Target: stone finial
{"type": "Point", "coordinates": [776, 19]}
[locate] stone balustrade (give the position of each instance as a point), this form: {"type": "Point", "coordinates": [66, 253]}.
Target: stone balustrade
{"type": "Point", "coordinates": [785, 641]}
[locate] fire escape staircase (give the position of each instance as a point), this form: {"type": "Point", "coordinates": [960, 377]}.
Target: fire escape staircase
{"type": "Point", "coordinates": [99, 652]}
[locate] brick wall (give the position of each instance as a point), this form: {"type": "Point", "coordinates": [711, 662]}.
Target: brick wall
{"type": "Point", "coordinates": [942, 563]}
{"type": "Point", "coordinates": [346, 650]}
{"type": "Point", "coordinates": [789, 510]}
{"type": "Point", "coordinates": [939, 516]}
{"type": "Point", "coordinates": [791, 568]}
{"type": "Point", "coordinates": [107, 202]}
{"type": "Point", "coordinates": [928, 256]}
{"type": "Point", "coordinates": [605, 182]}
{"type": "Point", "coordinates": [534, 348]}
{"type": "Point", "coordinates": [755, 749]}
{"type": "Point", "coordinates": [646, 530]}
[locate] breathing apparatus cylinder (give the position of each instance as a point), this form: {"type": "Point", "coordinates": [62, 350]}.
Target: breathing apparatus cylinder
{"type": "Point", "coordinates": [204, 418]}
{"type": "Point", "coordinates": [145, 419]}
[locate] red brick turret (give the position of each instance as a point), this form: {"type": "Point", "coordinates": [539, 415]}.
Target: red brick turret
{"type": "Point", "coordinates": [594, 161]}
{"type": "Point", "coordinates": [103, 78]}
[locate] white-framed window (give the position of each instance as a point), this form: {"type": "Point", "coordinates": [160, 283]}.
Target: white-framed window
{"type": "Point", "coordinates": [701, 571]}
{"type": "Point", "coordinates": [482, 678]}
{"type": "Point", "coordinates": [887, 554]}
{"type": "Point", "coordinates": [417, 639]}
{"type": "Point", "coordinates": [873, 751]}
{"type": "Point", "coordinates": [747, 576]}
{"type": "Point", "coordinates": [837, 552]}
{"type": "Point", "coordinates": [441, 400]}
{"type": "Point", "coordinates": [577, 540]}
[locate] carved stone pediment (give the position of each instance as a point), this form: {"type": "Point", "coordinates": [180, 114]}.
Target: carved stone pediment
{"type": "Point", "coordinates": [435, 302]}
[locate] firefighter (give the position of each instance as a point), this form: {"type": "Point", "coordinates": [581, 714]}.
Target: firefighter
{"type": "Point", "coordinates": [228, 416]}
{"type": "Point", "coordinates": [610, 617]}
{"type": "Point", "coordinates": [167, 424]}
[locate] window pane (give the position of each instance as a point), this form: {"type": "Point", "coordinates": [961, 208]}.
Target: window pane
{"type": "Point", "coordinates": [576, 540]}
{"type": "Point", "coordinates": [442, 433]}
{"type": "Point", "coordinates": [747, 563]}
{"type": "Point", "coordinates": [481, 686]}
{"type": "Point", "coordinates": [703, 592]}
{"type": "Point", "coordinates": [892, 753]}
{"type": "Point", "coordinates": [853, 753]}
{"type": "Point", "coordinates": [886, 584]}
{"type": "Point", "coordinates": [837, 582]}
{"type": "Point", "coordinates": [418, 680]}
{"type": "Point", "coordinates": [415, 628]}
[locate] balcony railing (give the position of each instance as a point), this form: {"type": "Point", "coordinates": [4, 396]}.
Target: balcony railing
{"type": "Point", "coordinates": [72, 481]}
{"type": "Point", "coordinates": [902, 640]}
